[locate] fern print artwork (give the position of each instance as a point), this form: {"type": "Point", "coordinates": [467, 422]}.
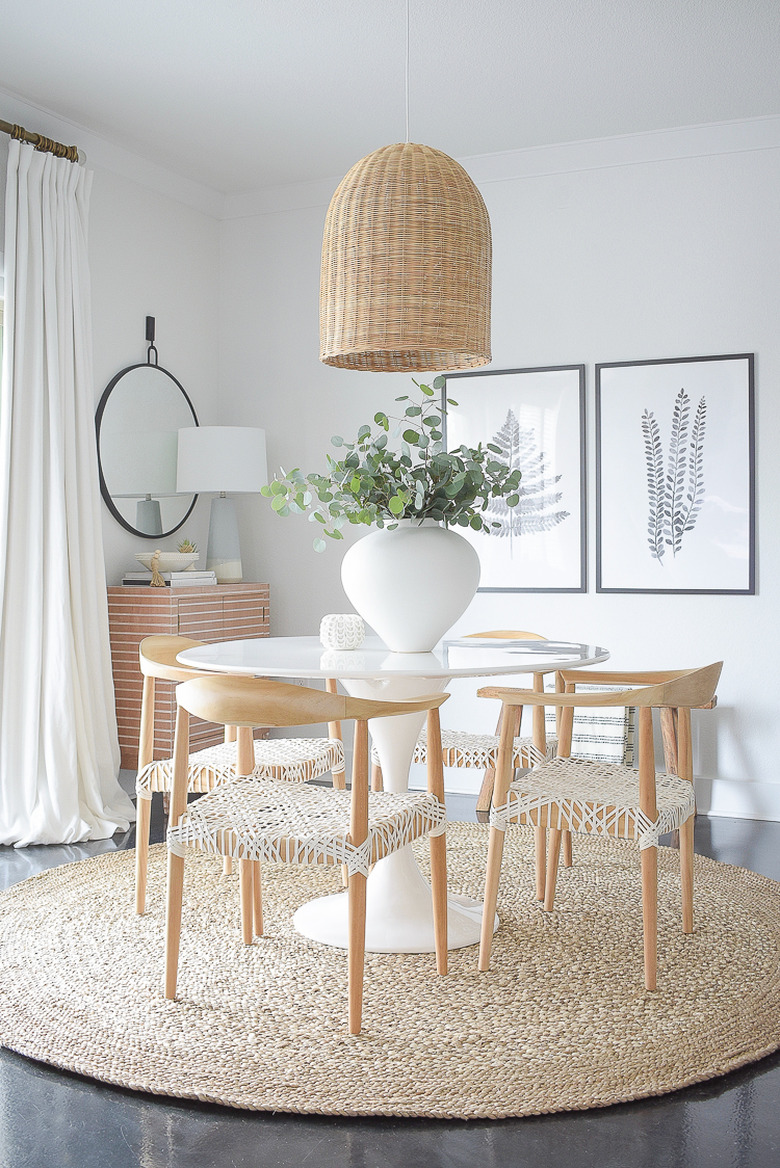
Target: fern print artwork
{"type": "Point", "coordinates": [539, 508]}
{"type": "Point", "coordinates": [532, 421]}
{"type": "Point", "coordinates": [675, 484]}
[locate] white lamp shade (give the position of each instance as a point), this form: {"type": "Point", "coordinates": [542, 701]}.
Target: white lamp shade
{"type": "Point", "coordinates": [221, 458]}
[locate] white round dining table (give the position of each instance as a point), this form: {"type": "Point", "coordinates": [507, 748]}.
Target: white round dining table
{"type": "Point", "coordinates": [399, 914]}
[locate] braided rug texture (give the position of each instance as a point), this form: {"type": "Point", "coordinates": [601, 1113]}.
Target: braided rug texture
{"type": "Point", "coordinates": [561, 1022]}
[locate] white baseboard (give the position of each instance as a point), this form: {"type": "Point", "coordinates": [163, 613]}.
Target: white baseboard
{"type": "Point", "coordinates": [738, 799]}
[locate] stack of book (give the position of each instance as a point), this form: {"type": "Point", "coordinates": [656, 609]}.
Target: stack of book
{"type": "Point", "coordinates": [188, 579]}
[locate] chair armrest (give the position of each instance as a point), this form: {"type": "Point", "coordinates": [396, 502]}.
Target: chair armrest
{"type": "Point", "coordinates": [527, 697]}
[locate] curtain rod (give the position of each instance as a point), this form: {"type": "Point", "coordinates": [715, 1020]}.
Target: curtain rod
{"type": "Point", "coordinates": [40, 143]}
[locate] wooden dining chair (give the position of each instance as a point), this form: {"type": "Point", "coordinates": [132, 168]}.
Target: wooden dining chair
{"type": "Point", "coordinates": [580, 795]}
{"type": "Point", "coordinates": [465, 748]}
{"type": "Point", "coordinates": [300, 824]}
{"type": "Point", "coordinates": [288, 759]}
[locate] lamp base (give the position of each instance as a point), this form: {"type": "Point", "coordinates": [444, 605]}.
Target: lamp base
{"type": "Point", "coordinates": [223, 555]}
{"type": "Point", "coordinates": [147, 516]}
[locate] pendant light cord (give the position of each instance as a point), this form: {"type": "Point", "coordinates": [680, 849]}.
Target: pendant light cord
{"type": "Point", "coordinates": [407, 71]}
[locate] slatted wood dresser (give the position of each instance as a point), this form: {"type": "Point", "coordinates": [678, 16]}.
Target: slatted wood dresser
{"type": "Point", "coordinates": [222, 612]}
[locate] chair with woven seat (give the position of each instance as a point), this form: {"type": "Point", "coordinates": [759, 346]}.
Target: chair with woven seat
{"type": "Point", "coordinates": [290, 759]}
{"type": "Point", "coordinates": [464, 748]}
{"type": "Point", "coordinates": [298, 824]}
{"type": "Point", "coordinates": [580, 795]}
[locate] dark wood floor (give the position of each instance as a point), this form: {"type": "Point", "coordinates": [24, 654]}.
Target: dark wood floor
{"type": "Point", "coordinates": [54, 1120]}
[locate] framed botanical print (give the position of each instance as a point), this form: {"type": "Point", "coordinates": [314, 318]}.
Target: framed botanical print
{"type": "Point", "coordinates": [675, 475]}
{"type": "Point", "coordinates": [536, 418]}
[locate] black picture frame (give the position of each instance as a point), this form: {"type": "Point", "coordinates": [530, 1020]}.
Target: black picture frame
{"type": "Point", "coordinates": [529, 401]}
{"type": "Point", "coordinates": [675, 475]}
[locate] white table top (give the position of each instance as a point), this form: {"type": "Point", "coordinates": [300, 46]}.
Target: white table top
{"type": "Point", "coordinates": [304, 657]}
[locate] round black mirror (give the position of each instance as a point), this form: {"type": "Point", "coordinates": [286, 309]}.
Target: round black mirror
{"type": "Point", "coordinates": [138, 418]}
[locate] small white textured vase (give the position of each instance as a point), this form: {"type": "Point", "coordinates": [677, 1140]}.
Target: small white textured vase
{"type": "Point", "coordinates": [342, 630]}
{"type": "Point", "coordinates": [410, 584]}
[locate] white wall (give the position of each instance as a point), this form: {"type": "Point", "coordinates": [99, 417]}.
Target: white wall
{"type": "Point", "coordinates": [154, 251]}
{"type": "Point", "coordinates": [151, 255]}
{"type": "Point", "coordinates": [652, 246]}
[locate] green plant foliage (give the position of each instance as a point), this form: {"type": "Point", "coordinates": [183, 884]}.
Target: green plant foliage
{"type": "Point", "coordinates": [374, 484]}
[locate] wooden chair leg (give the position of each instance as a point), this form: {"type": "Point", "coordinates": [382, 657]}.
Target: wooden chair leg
{"type": "Point", "coordinates": [439, 891]}
{"type": "Point", "coordinates": [686, 873]}
{"type": "Point", "coordinates": [143, 819]}
{"type": "Point", "coordinates": [335, 733]}
{"type": "Point", "coordinates": [650, 913]}
{"type": "Point", "coordinates": [227, 865]}
{"type": "Point", "coordinates": [357, 949]}
{"type": "Point", "coordinates": [485, 796]}
{"type": "Point", "coordinates": [492, 877]}
{"type": "Point", "coordinates": [246, 893]}
{"type": "Point", "coordinates": [144, 803]}
{"type": "Point", "coordinates": [257, 898]}
{"type": "Point", "coordinates": [553, 854]}
{"type": "Point", "coordinates": [377, 782]}
{"type": "Point", "coordinates": [173, 922]}
{"type": "Point", "coordinates": [540, 846]}
{"type": "Point", "coordinates": [567, 856]}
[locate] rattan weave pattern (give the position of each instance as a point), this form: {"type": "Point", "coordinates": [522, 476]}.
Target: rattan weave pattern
{"type": "Point", "coordinates": [560, 1022]}
{"type": "Point", "coordinates": [405, 279]}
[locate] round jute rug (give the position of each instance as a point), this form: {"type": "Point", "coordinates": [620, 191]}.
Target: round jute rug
{"type": "Point", "coordinates": [561, 1022]}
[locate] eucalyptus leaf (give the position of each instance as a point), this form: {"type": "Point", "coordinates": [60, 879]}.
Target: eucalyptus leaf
{"type": "Point", "coordinates": [370, 483]}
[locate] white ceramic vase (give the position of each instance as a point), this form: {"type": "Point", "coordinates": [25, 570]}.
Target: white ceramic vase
{"type": "Point", "coordinates": [411, 583]}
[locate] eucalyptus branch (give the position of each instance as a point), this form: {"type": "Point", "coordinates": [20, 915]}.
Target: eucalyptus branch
{"type": "Point", "coordinates": [370, 483]}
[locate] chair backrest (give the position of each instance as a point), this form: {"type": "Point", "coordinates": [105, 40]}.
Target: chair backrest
{"type": "Point", "coordinates": [157, 658]}
{"type": "Point", "coordinates": [254, 702]}
{"type": "Point", "coordinates": [684, 688]}
{"type": "Point", "coordinates": [676, 689]}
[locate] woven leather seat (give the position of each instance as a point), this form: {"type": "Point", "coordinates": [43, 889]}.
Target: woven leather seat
{"type": "Point", "coordinates": [582, 795]}
{"type": "Point", "coordinates": [296, 760]}
{"type": "Point", "coordinates": [302, 825]}
{"type": "Point", "coordinates": [461, 748]}
{"type": "Point", "coordinates": [595, 797]}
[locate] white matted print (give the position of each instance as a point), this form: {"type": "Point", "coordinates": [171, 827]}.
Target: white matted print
{"type": "Point", "coordinates": [537, 418]}
{"type": "Point", "coordinates": [675, 476]}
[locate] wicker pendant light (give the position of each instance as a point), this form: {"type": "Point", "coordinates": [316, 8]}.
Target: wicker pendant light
{"type": "Point", "coordinates": [406, 265]}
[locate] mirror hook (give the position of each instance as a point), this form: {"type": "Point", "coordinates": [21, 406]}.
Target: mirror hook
{"type": "Point", "coordinates": [150, 338]}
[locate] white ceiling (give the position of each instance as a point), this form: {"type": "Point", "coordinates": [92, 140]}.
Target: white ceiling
{"type": "Point", "coordinates": [246, 94]}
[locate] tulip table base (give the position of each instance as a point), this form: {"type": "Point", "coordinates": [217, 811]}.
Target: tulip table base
{"type": "Point", "coordinates": [399, 913]}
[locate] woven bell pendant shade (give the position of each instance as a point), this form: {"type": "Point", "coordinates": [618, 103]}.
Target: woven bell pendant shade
{"type": "Point", "coordinates": [406, 265]}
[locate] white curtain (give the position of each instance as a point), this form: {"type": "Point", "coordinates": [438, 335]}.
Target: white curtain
{"type": "Point", "coordinates": [59, 757]}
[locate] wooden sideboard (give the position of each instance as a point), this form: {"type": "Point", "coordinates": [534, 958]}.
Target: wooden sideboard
{"type": "Point", "coordinates": [222, 612]}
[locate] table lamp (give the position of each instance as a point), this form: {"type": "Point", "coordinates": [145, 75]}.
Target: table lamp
{"type": "Point", "coordinates": [222, 459]}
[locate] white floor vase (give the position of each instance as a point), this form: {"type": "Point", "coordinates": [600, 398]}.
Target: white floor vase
{"type": "Point", "coordinates": [410, 584]}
